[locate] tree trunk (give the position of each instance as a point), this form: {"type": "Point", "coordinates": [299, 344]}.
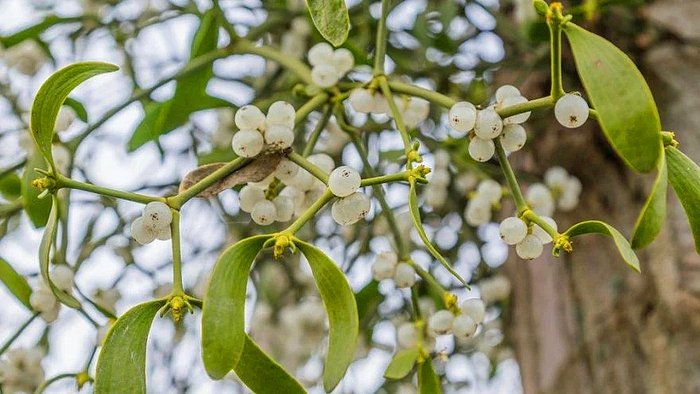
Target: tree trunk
{"type": "Point", "coordinates": [586, 323]}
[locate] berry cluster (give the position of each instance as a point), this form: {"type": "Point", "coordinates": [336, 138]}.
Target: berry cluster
{"type": "Point", "coordinates": [329, 65]}
{"type": "Point", "coordinates": [413, 110]}
{"type": "Point", "coordinates": [256, 131]}
{"type": "Point", "coordinates": [484, 125]}
{"type": "Point", "coordinates": [462, 324]}
{"type": "Point", "coordinates": [21, 371]}
{"type": "Point", "coordinates": [479, 208]}
{"type": "Point", "coordinates": [386, 265]}
{"type": "Point", "coordinates": [153, 224]}
{"type": "Point", "coordinates": [528, 240]}
{"type": "Point", "coordinates": [435, 193]}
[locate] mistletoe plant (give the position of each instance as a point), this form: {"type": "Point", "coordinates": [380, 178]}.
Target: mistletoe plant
{"type": "Point", "coordinates": [284, 181]}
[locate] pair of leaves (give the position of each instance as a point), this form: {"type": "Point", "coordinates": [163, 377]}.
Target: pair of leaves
{"type": "Point", "coordinates": [224, 341]}
{"type": "Point", "coordinates": [617, 90]}
{"type": "Point", "coordinates": [331, 19]}
{"type": "Point", "coordinates": [598, 227]}
{"type": "Point", "coordinates": [121, 367]}
{"type": "Point", "coordinates": [684, 176]}
{"type": "Point", "coordinates": [402, 364]}
{"type": "Point", "coordinates": [51, 96]}
{"type": "Point", "coordinates": [190, 92]}
{"type": "Point", "coordinates": [418, 224]}
{"type": "Point", "coordinates": [47, 241]}
{"type": "Point", "coordinates": [15, 283]}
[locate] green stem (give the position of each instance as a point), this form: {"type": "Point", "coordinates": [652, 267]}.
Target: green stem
{"type": "Point", "coordinates": [228, 27]}
{"type": "Point", "coordinates": [309, 106]}
{"type": "Point", "coordinates": [417, 91]}
{"type": "Point", "coordinates": [177, 257]}
{"type": "Point", "coordinates": [43, 386]}
{"type": "Point", "coordinates": [520, 203]}
{"type": "Point", "coordinates": [294, 65]}
{"type": "Point", "coordinates": [377, 180]}
{"type": "Point", "coordinates": [316, 133]}
{"type": "Point", "coordinates": [425, 275]}
{"type": "Point", "coordinates": [554, 24]}
{"type": "Point", "coordinates": [380, 47]}
{"type": "Point", "coordinates": [533, 217]}
{"type": "Point", "coordinates": [302, 162]}
{"type": "Point", "coordinates": [310, 213]}
{"type": "Point", "coordinates": [180, 199]}
{"type": "Point", "coordinates": [534, 104]}
{"type": "Point", "coordinates": [405, 137]}
{"type": "Point", "coordinates": [16, 335]}
{"type": "Point", "coordinates": [65, 182]}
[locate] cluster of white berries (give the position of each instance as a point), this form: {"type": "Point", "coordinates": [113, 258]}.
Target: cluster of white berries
{"type": "Point", "coordinates": [529, 241]}
{"type": "Point", "coordinates": [484, 125]}
{"type": "Point", "coordinates": [479, 208]}
{"type": "Point", "coordinates": [329, 65]}
{"type": "Point", "coordinates": [352, 205]}
{"type": "Point", "coordinates": [26, 57]}
{"type": "Point", "coordinates": [387, 266]}
{"type": "Point", "coordinates": [21, 371]}
{"type": "Point", "coordinates": [560, 191]}
{"type": "Point", "coordinates": [44, 301]}
{"type": "Point", "coordinates": [571, 110]}
{"type": "Point", "coordinates": [413, 110]}
{"type": "Point", "coordinates": [463, 325]}
{"type": "Point", "coordinates": [436, 192]}
{"type": "Point", "coordinates": [256, 131]}
{"type": "Point", "coordinates": [153, 224]}
{"type": "Point", "coordinates": [294, 42]}
{"type": "Point", "coordinates": [263, 211]}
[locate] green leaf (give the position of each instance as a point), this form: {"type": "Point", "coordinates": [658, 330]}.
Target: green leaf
{"type": "Point", "coordinates": [223, 313]}
{"type": "Point", "coordinates": [261, 374]}
{"type": "Point", "coordinates": [16, 283]}
{"type": "Point", "coordinates": [45, 257]}
{"type": "Point", "coordinates": [684, 175]}
{"type": "Point", "coordinates": [653, 214]}
{"type": "Point", "coordinates": [52, 94]}
{"type": "Point", "coordinates": [78, 107]}
{"type": "Point", "coordinates": [339, 301]}
{"type": "Point", "coordinates": [598, 227]}
{"type": "Point", "coordinates": [331, 19]}
{"type": "Point", "coordinates": [428, 380]}
{"type": "Point", "coordinates": [402, 363]}
{"type": "Point", "coordinates": [33, 32]}
{"type": "Point", "coordinates": [37, 209]}
{"type": "Point", "coordinates": [10, 187]}
{"type": "Point", "coordinates": [368, 299]}
{"type": "Point", "coordinates": [620, 95]}
{"type": "Point", "coordinates": [121, 367]}
{"type": "Point", "coordinates": [418, 224]}
{"type": "Point", "coordinates": [190, 92]}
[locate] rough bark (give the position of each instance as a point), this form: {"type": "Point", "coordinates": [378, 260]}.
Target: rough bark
{"type": "Point", "coordinates": [585, 323]}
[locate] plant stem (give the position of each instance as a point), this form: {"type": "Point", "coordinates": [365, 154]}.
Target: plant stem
{"type": "Point", "coordinates": [292, 64]}
{"type": "Point", "coordinates": [417, 91]}
{"type": "Point", "coordinates": [180, 199]}
{"type": "Point", "coordinates": [405, 137]}
{"type": "Point", "coordinates": [425, 275]}
{"type": "Point", "coordinates": [520, 203]}
{"type": "Point", "coordinates": [534, 104]}
{"type": "Point", "coordinates": [16, 335]}
{"type": "Point", "coordinates": [554, 24]}
{"type": "Point", "coordinates": [64, 182]}
{"type": "Point", "coordinates": [309, 106]}
{"type": "Point", "coordinates": [302, 162]}
{"type": "Point", "coordinates": [177, 257]}
{"type": "Point", "coordinates": [380, 47]}
{"type": "Point", "coordinates": [316, 133]}
{"type": "Point", "coordinates": [533, 217]}
{"type": "Point", "coordinates": [44, 385]}
{"type": "Point", "coordinates": [397, 177]}
{"type": "Point", "coordinates": [310, 213]}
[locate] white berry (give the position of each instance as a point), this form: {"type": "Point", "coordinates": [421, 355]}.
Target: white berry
{"type": "Point", "coordinates": [506, 91]}
{"type": "Point", "coordinates": [279, 136]}
{"type": "Point", "coordinates": [405, 276]}
{"type": "Point", "coordinates": [478, 211]}
{"type": "Point", "coordinates": [62, 277]}
{"type": "Point", "coordinates": [540, 199]}
{"type": "Point", "coordinates": [481, 150]}
{"type": "Point", "coordinates": [249, 196]}
{"type": "Point", "coordinates": [571, 110]}
{"type": "Point", "coordinates": [157, 216]}
{"type": "Point", "coordinates": [542, 235]}
{"type": "Point", "coordinates": [474, 308]}
{"type": "Point", "coordinates": [343, 61]}
{"type": "Point", "coordinates": [464, 326]}
{"type": "Point", "coordinates": [513, 137]}
{"type": "Point", "coordinates": [324, 75]}
{"type": "Point", "coordinates": [490, 189]}
{"type": "Point", "coordinates": [407, 335]}
{"type": "Point", "coordinates": [249, 117]}
{"type": "Point", "coordinates": [556, 178]}
{"type": "Point", "coordinates": [264, 212]}
{"type": "Point", "coordinates": [142, 234]}
{"type": "Point", "coordinates": [247, 143]}
{"type": "Point", "coordinates": [518, 118]}
{"type": "Point", "coordinates": [285, 208]}
{"type": "Point", "coordinates": [462, 116]}
{"type": "Point", "coordinates": [361, 100]}
{"type": "Point", "coordinates": [281, 113]}
{"type": "Point", "coordinates": [384, 266]}
{"type": "Point", "coordinates": [164, 234]}
{"type": "Point", "coordinates": [440, 323]}
{"type": "Point", "coordinates": [488, 124]}
{"type": "Point", "coordinates": [322, 161]}
{"type": "Point", "coordinates": [344, 181]}
{"type": "Point", "coordinates": [321, 53]}
{"type": "Point", "coordinates": [513, 230]}
{"type": "Point", "coordinates": [286, 170]}
{"type": "Point", "coordinates": [529, 248]}
{"type": "Point", "coordinates": [351, 209]}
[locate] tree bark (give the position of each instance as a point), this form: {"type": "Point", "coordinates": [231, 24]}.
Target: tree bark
{"type": "Point", "coordinates": [585, 322]}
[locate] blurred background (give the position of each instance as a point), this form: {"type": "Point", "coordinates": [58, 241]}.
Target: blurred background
{"type": "Point", "coordinates": [582, 323]}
